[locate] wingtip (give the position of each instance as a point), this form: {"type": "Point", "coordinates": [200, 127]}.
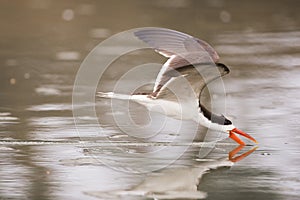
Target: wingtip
{"type": "Point", "coordinates": [224, 68]}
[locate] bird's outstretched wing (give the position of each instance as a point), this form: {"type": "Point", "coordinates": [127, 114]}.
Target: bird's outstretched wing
{"type": "Point", "coordinates": [188, 56]}
{"type": "Point", "coordinates": [170, 42]}
{"type": "Point", "coordinates": [196, 77]}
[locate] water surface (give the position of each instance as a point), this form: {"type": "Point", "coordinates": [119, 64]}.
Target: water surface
{"type": "Point", "coordinates": [42, 44]}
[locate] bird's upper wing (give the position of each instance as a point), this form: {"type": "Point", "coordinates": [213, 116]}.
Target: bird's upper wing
{"type": "Point", "coordinates": [170, 42]}
{"type": "Point", "coordinates": [184, 52]}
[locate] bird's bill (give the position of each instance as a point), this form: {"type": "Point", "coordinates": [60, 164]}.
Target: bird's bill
{"type": "Point", "coordinates": [232, 135]}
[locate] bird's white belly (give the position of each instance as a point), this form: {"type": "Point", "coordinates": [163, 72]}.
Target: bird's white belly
{"type": "Point", "coordinates": [185, 111]}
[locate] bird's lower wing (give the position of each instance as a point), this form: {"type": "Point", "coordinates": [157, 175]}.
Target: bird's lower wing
{"type": "Point", "coordinates": [188, 81]}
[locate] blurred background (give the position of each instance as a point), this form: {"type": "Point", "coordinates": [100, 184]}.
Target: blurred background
{"type": "Point", "coordinates": [43, 43]}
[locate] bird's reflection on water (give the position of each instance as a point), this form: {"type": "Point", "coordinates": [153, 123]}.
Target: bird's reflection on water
{"type": "Point", "coordinates": [235, 158]}
{"type": "Point", "coordinates": [179, 182]}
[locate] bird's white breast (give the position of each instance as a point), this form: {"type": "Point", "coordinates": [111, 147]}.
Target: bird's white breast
{"type": "Point", "coordinates": [183, 111]}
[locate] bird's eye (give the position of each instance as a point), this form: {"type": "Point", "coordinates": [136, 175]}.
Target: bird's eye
{"type": "Point", "coordinates": [227, 122]}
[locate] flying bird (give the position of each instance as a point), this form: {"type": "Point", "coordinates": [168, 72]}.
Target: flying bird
{"type": "Point", "coordinates": [192, 64]}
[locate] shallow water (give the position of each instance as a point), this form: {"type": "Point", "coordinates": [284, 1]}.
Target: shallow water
{"type": "Point", "coordinates": [43, 156]}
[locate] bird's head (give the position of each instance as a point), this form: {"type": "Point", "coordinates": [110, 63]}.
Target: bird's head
{"type": "Point", "coordinates": [226, 126]}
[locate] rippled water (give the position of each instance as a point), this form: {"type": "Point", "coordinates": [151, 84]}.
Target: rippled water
{"type": "Point", "coordinates": [42, 156]}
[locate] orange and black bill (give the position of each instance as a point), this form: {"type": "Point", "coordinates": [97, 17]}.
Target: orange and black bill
{"type": "Point", "coordinates": [232, 135]}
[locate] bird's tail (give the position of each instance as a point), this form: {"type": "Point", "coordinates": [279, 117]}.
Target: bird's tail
{"type": "Point", "coordinates": [112, 95]}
